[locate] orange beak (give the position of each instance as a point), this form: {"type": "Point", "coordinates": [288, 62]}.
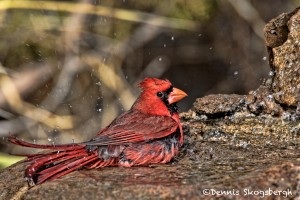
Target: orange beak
{"type": "Point", "coordinates": [176, 95]}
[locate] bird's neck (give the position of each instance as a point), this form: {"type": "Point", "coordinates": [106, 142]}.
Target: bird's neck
{"type": "Point", "coordinates": [154, 106]}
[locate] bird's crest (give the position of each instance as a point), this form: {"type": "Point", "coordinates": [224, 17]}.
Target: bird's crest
{"type": "Point", "coordinates": [155, 84]}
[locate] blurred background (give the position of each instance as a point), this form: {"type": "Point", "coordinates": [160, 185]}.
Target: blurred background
{"type": "Point", "coordinates": [67, 68]}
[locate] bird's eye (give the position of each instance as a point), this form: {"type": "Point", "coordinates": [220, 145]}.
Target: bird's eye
{"type": "Point", "coordinates": [160, 94]}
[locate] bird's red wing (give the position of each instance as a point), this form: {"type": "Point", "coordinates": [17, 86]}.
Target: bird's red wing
{"type": "Point", "coordinates": [134, 126]}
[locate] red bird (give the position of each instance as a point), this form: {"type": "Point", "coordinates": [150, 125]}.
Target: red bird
{"type": "Point", "coordinates": [150, 132]}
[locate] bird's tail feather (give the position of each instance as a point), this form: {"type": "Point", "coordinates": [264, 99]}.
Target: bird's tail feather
{"type": "Point", "coordinates": [49, 166]}
{"type": "Point", "coordinates": [19, 142]}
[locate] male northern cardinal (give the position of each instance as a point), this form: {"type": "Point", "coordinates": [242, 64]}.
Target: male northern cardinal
{"type": "Point", "coordinates": [150, 132]}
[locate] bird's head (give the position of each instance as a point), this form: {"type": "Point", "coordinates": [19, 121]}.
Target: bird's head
{"type": "Point", "coordinates": [158, 97]}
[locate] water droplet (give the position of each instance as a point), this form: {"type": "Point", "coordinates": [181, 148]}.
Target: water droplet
{"type": "Point", "coordinates": [99, 110]}
{"type": "Point", "coordinates": [274, 32]}
{"type": "Point", "coordinates": [270, 97]}
{"type": "Point", "coordinates": [210, 48]}
{"type": "Point", "coordinates": [172, 38]}
{"type": "Point", "coordinates": [286, 116]}
{"type": "Point", "coordinates": [199, 35]}
{"type": "Point", "coordinates": [165, 45]}
{"type": "Point", "coordinates": [264, 58]}
{"type": "Point", "coordinates": [160, 59]}
{"type": "Point", "coordinates": [49, 139]}
{"type": "Point", "coordinates": [271, 73]}
{"type": "Point", "coordinates": [236, 73]}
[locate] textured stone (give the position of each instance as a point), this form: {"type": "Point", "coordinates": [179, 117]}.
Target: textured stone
{"type": "Point", "coordinates": [221, 104]}
{"type": "Point", "coordinates": [284, 47]}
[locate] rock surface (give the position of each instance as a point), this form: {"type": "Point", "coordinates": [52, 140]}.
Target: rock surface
{"type": "Point", "coordinates": [283, 41]}
{"type": "Point", "coordinates": [234, 144]}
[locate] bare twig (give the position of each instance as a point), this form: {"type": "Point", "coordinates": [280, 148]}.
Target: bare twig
{"type": "Point", "coordinates": [13, 98]}
{"type": "Point", "coordinates": [83, 8]}
{"type": "Point", "coordinates": [249, 13]}
{"type": "Point", "coordinates": [112, 78]}
{"type": "Point", "coordinates": [11, 126]}
{"type": "Point", "coordinates": [139, 37]}
{"type": "Point", "coordinates": [72, 65]}
{"type": "Point", "coordinates": [29, 80]}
